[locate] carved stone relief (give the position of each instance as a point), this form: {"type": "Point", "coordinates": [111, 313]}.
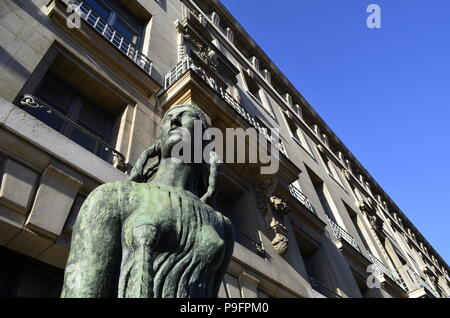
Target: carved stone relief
{"type": "Point", "coordinates": [273, 209]}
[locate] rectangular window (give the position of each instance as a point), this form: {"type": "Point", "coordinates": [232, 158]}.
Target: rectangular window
{"type": "Point", "coordinates": [89, 115]}
{"type": "Point", "coordinates": [89, 109]}
{"type": "Point", "coordinates": [256, 91]}
{"type": "Point", "coordinates": [232, 202]}
{"type": "Point", "coordinates": [354, 217]}
{"type": "Point", "coordinates": [23, 277]}
{"type": "Point", "coordinates": [316, 268]}
{"type": "Point", "coordinates": [297, 134]}
{"type": "Point", "coordinates": [330, 167]}
{"type": "Point", "coordinates": [323, 195]}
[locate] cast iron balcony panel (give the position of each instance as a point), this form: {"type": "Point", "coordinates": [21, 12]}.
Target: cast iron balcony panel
{"type": "Point", "coordinates": [340, 233]}
{"type": "Point", "coordinates": [394, 275]}
{"type": "Point", "coordinates": [99, 24]}
{"type": "Point", "coordinates": [419, 282]}
{"type": "Point", "coordinates": [188, 64]}
{"type": "Point", "coordinates": [300, 197]}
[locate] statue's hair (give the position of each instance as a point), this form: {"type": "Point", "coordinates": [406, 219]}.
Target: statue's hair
{"type": "Point", "coordinates": [143, 173]}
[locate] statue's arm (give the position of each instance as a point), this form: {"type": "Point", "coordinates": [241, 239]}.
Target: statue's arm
{"type": "Point", "coordinates": [93, 265]}
{"type": "Point", "coordinates": [229, 247]}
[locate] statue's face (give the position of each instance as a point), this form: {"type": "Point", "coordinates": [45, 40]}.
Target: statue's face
{"type": "Point", "coordinates": [176, 126]}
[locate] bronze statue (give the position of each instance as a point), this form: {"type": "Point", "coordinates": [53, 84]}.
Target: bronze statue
{"type": "Point", "coordinates": [155, 235]}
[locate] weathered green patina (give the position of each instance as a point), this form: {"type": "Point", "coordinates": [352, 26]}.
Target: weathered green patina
{"type": "Point", "coordinates": [153, 236]}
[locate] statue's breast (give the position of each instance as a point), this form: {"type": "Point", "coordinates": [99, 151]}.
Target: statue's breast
{"type": "Point", "coordinates": [170, 238]}
{"type": "Point", "coordinates": [165, 218]}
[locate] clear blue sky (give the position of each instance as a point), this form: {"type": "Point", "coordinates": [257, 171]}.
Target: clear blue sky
{"type": "Point", "coordinates": [385, 92]}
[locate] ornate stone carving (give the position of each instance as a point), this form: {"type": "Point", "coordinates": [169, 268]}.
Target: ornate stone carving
{"type": "Point", "coordinates": [279, 206]}
{"type": "Point", "coordinates": [273, 208]}
{"type": "Point", "coordinates": [263, 191]}
{"type": "Point", "coordinates": [280, 243]}
{"type": "Point", "coordinates": [346, 174]}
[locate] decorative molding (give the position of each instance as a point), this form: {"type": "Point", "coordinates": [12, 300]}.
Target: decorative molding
{"type": "Point", "coordinates": [215, 18]}
{"type": "Point", "coordinates": [279, 206]}
{"type": "Point", "coordinates": [230, 35]}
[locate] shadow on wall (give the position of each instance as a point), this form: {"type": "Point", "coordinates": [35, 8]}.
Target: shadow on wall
{"type": "Point", "coordinates": [8, 62]}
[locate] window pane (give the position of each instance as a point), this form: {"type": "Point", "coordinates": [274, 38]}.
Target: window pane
{"type": "Point", "coordinates": [100, 8]}
{"type": "Point", "coordinates": [83, 140]}
{"type": "Point", "coordinates": [54, 92]}
{"type": "Point", "coordinates": [125, 30]}
{"type": "Point", "coordinates": [32, 285]}
{"type": "Point", "coordinates": [50, 120]}
{"type": "Point", "coordinates": [94, 118]}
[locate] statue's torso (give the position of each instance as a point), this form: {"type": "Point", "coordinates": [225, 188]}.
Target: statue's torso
{"type": "Point", "coordinates": [172, 243]}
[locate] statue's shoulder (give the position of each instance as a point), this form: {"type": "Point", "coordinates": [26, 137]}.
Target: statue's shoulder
{"type": "Point", "coordinates": [114, 188]}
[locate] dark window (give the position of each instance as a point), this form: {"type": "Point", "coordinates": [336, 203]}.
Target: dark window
{"type": "Point", "coordinates": [315, 267]}
{"type": "Point", "coordinates": [58, 94]}
{"type": "Point", "coordinates": [23, 277]}
{"type": "Point", "coordinates": [231, 201]}
{"type": "Point", "coordinates": [253, 87]}
{"type": "Point", "coordinates": [320, 188]}
{"type": "Point", "coordinates": [323, 200]}
{"type": "Point", "coordinates": [354, 218]}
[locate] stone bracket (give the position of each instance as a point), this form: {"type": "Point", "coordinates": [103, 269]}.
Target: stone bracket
{"type": "Point", "coordinates": [54, 199]}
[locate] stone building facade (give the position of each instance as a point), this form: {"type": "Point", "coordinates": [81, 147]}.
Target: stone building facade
{"type": "Point", "coordinates": [83, 85]}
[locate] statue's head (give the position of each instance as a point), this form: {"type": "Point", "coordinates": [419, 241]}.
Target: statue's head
{"type": "Point", "coordinates": [181, 123]}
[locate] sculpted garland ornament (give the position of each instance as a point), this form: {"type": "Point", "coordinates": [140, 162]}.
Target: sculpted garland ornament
{"type": "Point", "coordinates": [154, 235]}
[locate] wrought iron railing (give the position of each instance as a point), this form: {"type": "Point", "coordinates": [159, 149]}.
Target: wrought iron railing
{"type": "Point", "coordinates": [34, 102]}
{"type": "Point", "coordinates": [380, 266]}
{"type": "Point", "coordinates": [418, 281]}
{"type": "Point", "coordinates": [118, 40]}
{"type": "Point", "coordinates": [300, 197]}
{"type": "Point", "coordinates": [182, 67]}
{"type": "Point", "coordinates": [401, 280]}
{"type": "Point", "coordinates": [394, 275]}
{"type": "Point", "coordinates": [340, 233]}
{"type": "Point", "coordinates": [188, 64]}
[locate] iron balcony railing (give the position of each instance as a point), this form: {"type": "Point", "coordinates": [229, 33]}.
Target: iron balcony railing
{"type": "Point", "coordinates": [99, 24]}
{"type": "Point", "coordinates": [394, 275]}
{"type": "Point", "coordinates": [418, 281]}
{"type": "Point", "coordinates": [34, 102]}
{"type": "Point", "coordinates": [340, 233]}
{"type": "Point", "coordinates": [380, 266]}
{"type": "Point", "coordinates": [182, 67]}
{"type": "Point", "coordinates": [300, 197]}
{"type": "Point", "coordinates": [188, 64]}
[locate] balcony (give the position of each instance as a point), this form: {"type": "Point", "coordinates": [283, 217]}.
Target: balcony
{"type": "Point", "coordinates": [300, 197]}
{"type": "Point", "coordinates": [93, 19]}
{"type": "Point", "coordinates": [418, 284]}
{"type": "Point", "coordinates": [34, 102]}
{"type": "Point", "coordinates": [394, 276]}
{"type": "Point", "coordinates": [340, 233]}
{"type": "Point", "coordinates": [106, 50]}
